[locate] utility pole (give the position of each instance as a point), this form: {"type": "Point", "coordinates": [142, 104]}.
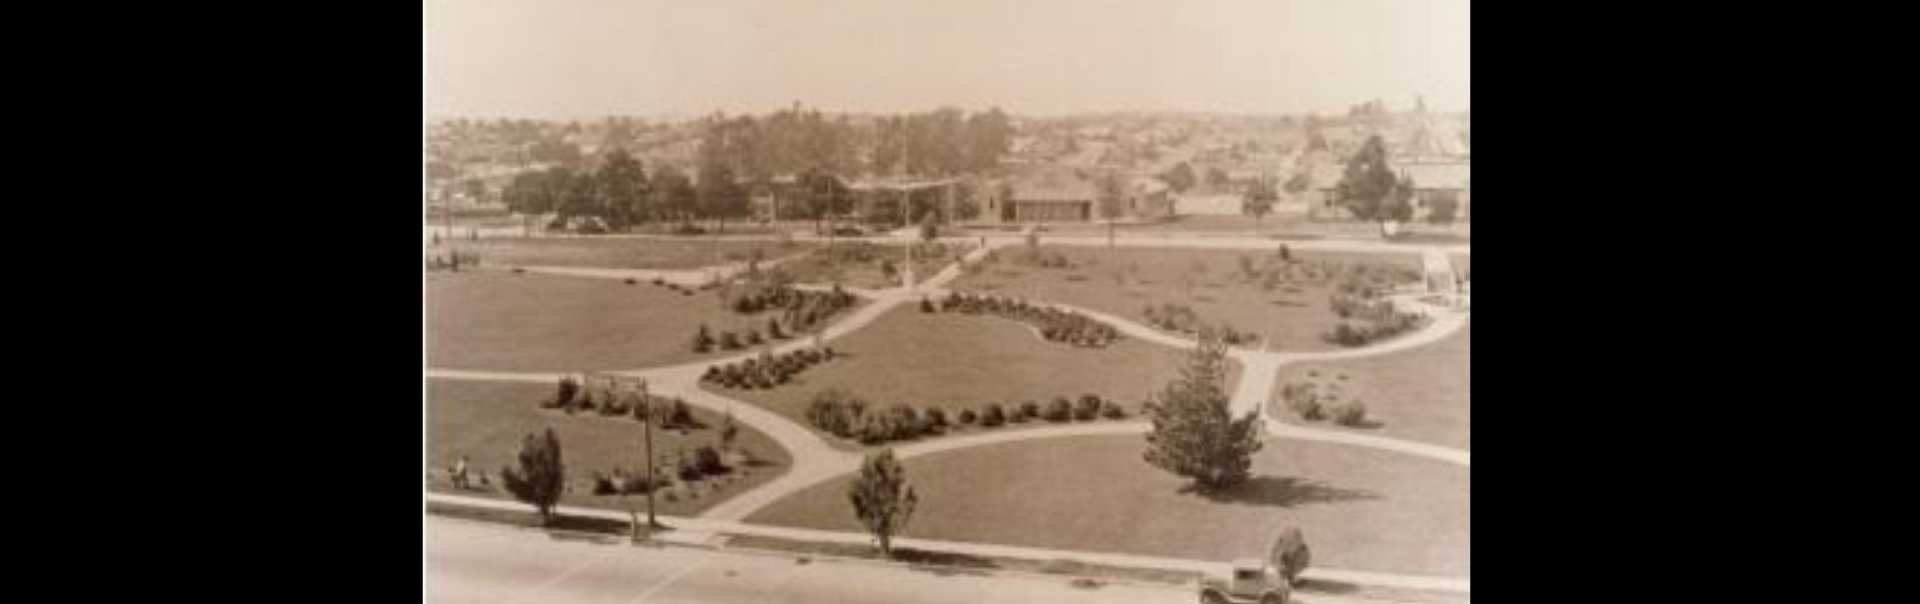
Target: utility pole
{"type": "Point", "coordinates": [647, 401]}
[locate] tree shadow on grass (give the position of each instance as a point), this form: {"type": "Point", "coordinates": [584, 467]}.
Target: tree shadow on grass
{"type": "Point", "coordinates": [945, 563]}
{"type": "Point", "coordinates": [1326, 586]}
{"type": "Point", "coordinates": [1282, 491]}
{"type": "Point", "coordinates": [571, 528]}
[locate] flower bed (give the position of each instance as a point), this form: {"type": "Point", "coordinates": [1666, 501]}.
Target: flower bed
{"type": "Point", "coordinates": [1055, 325]}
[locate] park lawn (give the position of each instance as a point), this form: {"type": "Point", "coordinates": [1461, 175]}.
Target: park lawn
{"type": "Point", "coordinates": [817, 267]}
{"type": "Point", "coordinates": [1291, 317]}
{"type": "Point", "coordinates": [955, 361]}
{"type": "Point", "coordinates": [1360, 509]}
{"type": "Point", "coordinates": [1420, 394]}
{"type": "Point", "coordinates": [623, 252]}
{"type": "Point", "coordinates": [506, 321]}
{"type": "Point", "coordinates": [486, 420]}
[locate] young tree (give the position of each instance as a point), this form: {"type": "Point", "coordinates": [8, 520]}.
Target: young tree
{"type": "Point", "coordinates": [1290, 554]}
{"type": "Point", "coordinates": [541, 477]}
{"type": "Point", "coordinates": [882, 499]}
{"type": "Point", "coordinates": [1194, 434]}
{"type": "Point", "coordinates": [1370, 190]}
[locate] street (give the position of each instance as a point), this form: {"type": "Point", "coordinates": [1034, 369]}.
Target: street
{"type": "Point", "coordinates": [470, 561]}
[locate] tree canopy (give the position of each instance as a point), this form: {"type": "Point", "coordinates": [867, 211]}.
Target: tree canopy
{"type": "Point", "coordinates": [1194, 434]}
{"type": "Point", "coordinates": [541, 477]}
{"type": "Point", "coordinates": [881, 497]}
{"type": "Point", "coordinates": [1369, 188]}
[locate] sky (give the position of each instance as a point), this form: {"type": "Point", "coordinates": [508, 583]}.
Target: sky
{"type": "Point", "coordinates": [582, 59]}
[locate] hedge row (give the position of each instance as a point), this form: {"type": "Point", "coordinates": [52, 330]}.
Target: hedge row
{"type": "Point", "coordinates": [608, 400]}
{"type": "Point", "coordinates": [1351, 334]}
{"type": "Point", "coordinates": [851, 417]}
{"type": "Point", "coordinates": [768, 370]}
{"type": "Point", "coordinates": [1055, 325]}
{"type": "Point", "coordinates": [1183, 319]}
{"type": "Point", "coordinates": [1313, 404]}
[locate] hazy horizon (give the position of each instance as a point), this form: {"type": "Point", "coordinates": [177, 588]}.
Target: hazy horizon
{"type": "Point", "coordinates": [586, 59]}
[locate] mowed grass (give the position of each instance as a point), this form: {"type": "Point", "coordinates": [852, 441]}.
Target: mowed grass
{"type": "Point", "coordinates": [623, 252]}
{"type": "Point", "coordinates": [957, 361]}
{"type": "Point", "coordinates": [507, 321]}
{"type": "Point", "coordinates": [1422, 394]}
{"type": "Point", "coordinates": [486, 420]}
{"type": "Point", "coordinates": [1124, 281]}
{"type": "Point", "coordinates": [1360, 509]}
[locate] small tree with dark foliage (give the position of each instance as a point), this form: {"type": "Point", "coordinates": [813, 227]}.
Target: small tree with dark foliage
{"type": "Point", "coordinates": [882, 499]}
{"type": "Point", "coordinates": [541, 477]}
{"type": "Point", "coordinates": [1194, 433]}
{"type": "Point", "coordinates": [1290, 554]}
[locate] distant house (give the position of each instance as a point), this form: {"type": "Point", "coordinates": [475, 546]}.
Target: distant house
{"type": "Point", "coordinates": [1434, 181]}
{"type": "Point", "coordinates": [1438, 182]}
{"type": "Point", "coordinates": [1050, 196]}
{"type": "Point", "coordinates": [1149, 197]}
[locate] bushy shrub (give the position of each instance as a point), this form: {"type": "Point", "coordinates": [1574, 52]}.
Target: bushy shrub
{"type": "Point", "coordinates": [966, 417]}
{"type": "Point", "coordinates": [1059, 410]}
{"type": "Point", "coordinates": [993, 416]}
{"type": "Point", "coordinates": [689, 470]}
{"type": "Point", "coordinates": [1349, 413]}
{"type": "Point", "coordinates": [728, 341]}
{"type": "Point", "coordinates": [1112, 410]}
{"type": "Point", "coordinates": [680, 416]}
{"type": "Point", "coordinates": [707, 460]}
{"type": "Point", "coordinates": [926, 306]}
{"type": "Point", "coordinates": [1304, 400]}
{"type": "Point", "coordinates": [936, 418]}
{"type": "Point", "coordinates": [568, 387]}
{"type": "Point", "coordinates": [875, 428]}
{"type": "Point", "coordinates": [1030, 409]}
{"type": "Point", "coordinates": [603, 485]}
{"type": "Point", "coordinates": [753, 337]}
{"type": "Point", "coordinates": [831, 410]}
{"type": "Point", "coordinates": [1088, 407]}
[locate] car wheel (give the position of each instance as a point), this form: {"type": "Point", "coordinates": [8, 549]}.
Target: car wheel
{"type": "Point", "coordinates": [1212, 597]}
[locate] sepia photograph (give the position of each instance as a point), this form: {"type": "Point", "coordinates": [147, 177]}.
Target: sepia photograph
{"type": "Point", "coordinates": [946, 301]}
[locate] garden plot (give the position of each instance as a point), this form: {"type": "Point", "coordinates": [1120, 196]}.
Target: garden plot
{"type": "Point", "coordinates": [1421, 394]}
{"type": "Point", "coordinates": [957, 362]}
{"type": "Point", "coordinates": [485, 421]}
{"type": "Point", "coordinates": [1282, 304]}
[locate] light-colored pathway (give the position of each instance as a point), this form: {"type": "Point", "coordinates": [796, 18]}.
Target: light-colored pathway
{"type": "Point", "coordinates": [1212, 568]}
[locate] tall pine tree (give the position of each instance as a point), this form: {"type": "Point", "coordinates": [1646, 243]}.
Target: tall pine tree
{"type": "Point", "coordinates": [1194, 434]}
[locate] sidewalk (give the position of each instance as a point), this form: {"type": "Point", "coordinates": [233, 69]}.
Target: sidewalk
{"type": "Point", "coordinates": [697, 527]}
